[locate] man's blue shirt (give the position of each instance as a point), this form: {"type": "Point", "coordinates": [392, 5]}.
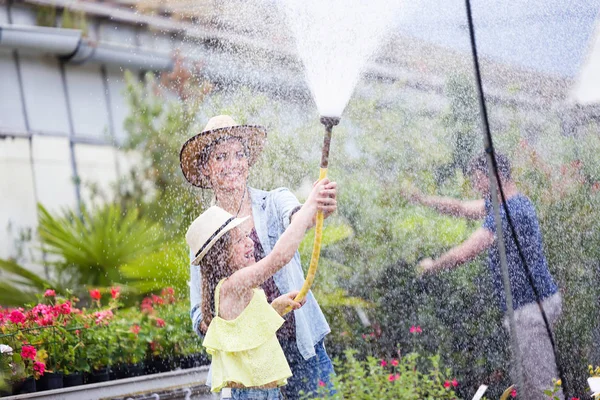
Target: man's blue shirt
{"type": "Point", "coordinates": [527, 228]}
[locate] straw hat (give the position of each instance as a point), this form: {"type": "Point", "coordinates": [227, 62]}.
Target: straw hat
{"type": "Point", "coordinates": [204, 232]}
{"type": "Point", "coordinates": [221, 126]}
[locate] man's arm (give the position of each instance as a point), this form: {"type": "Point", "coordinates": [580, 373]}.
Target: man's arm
{"type": "Point", "coordinates": [196, 298]}
{"type": "Point", "coordinates": [479, 241]}
{"type": "Point", "coordinates": [471, 209]}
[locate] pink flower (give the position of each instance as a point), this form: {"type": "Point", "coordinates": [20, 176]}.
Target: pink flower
{"type": "Point", "coordinates": [95, 294]}
{"type": "Point", "coordinates": [39, 367]}
{"type": "Point", "coordinates": [146, 306]}
{"type": "Point", "coordinates": [321, 383]}
{"type": "Point", "coordinates": [115, 292]}
{"type": "Point", "coordinates": [16, 317]}
{"type": "Point", "coordinates": [397, 376]}
{"type": "Point", "coordinates": [415, 329]}
{"type": "Point", "coordinates": [446, 384]}
{"type": "Point", "coordinates": [454, 382]}
{"type": "Point", "coordinates": [364, 336]}
{"type": "Point", "coordinates": [513, 393]}
{"type": "Point", "coordinates": [103, 317]}
{"type": "Point", "coordinates": [391, 378]}
{"type": "Point", "coordinates": [394, 362]}
{"type": "Point", "coordinates": [49, 293]}
{"type": "Point", "coordinates": [28, 352]}
{"type": "Point", "coordinates": [383, 363]}
{"type": "Point", "coordinates": [160, 322]}
{"type": "Point", "coordinates": [135, 329]}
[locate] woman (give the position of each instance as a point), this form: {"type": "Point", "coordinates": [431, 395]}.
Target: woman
{"type": "Point", "coordinates": [219, 158]}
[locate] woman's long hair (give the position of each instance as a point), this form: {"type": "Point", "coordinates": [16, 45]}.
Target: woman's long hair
{"type": "Point", "coordinates": [214, 267]}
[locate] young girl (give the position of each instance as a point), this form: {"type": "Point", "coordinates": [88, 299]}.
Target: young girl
{"type": "Point", "coordinates": [242, 326]}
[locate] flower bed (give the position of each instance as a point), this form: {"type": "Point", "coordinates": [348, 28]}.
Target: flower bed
{"type": "Point", "coordinates": [54, 343]}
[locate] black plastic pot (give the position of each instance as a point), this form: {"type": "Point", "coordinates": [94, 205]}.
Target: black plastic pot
{"type": "Point", "coordinates": [6, 392]}
{"type": "Point", "coordinates": [135, 370]}
{"type": "Point", "coordinates": [118, 371]}
{"type": "Point", "coordinates": [26, 386]}
{"type": "Point", "coordinates": [74, 379]}
{"type": "Point", "coordinates": [156, 365]}
{"type": "Point", "coordinates": [49, 381]}
{"type": "Point", "coordinates": [100, 375]}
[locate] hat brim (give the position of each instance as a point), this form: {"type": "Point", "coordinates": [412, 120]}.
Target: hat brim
{"type": "Point", "coordinates": [223, 231]}
{"type": "Point", "coordinates": [190, 151]}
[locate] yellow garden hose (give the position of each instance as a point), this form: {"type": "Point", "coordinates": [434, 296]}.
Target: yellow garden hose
{"type": "Point", "coordinates": [316, 253]}
{"type": "Point", "coordinates": [329, 123]}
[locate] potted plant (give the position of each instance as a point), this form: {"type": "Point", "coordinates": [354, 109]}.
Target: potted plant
{"type": "Point", "coordinates": [128, 348]}
{"type": "Point", "coordinates": [30, 366]}
{"type": "Point", "coordinates": [6, 370]}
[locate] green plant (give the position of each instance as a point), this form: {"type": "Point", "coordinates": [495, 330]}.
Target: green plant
{"type": "Point", "coordinates": [410, 377]}
{"type": "Point", "coordinates": [87, 250]}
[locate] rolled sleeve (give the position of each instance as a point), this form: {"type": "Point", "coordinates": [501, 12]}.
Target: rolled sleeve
{"type": "Point", "coordinates": [286, 204]}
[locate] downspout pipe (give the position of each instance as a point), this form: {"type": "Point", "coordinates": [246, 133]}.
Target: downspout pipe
{"type": "Point", "coordinates": [70, 46]}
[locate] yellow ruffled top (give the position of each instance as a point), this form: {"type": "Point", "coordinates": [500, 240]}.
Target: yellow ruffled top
{"type": "Point", "coordinates": [245, 350]}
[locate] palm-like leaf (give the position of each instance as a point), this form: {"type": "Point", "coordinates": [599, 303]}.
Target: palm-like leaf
{"type": "Point", "coordinates": [167, 267]}
{"type": "Point", "coordinates": [94, 245]}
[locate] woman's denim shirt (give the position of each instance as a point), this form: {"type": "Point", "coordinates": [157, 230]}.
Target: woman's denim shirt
{"type": "Point", "coordinates": [271, 211]}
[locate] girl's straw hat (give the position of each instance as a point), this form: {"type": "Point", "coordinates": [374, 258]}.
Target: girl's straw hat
{"type": "Point", "coordinates": [219, 127]}
{"type": "Point", "coordinates": [204, 232]}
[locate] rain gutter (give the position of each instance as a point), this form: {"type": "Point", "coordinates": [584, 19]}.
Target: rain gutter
{"type": "Point", "coordinates": [70, 46]}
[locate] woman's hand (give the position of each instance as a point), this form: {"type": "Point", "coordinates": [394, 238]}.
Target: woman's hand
{"type": "Point", "coordinates": [326, 199]}
{"type": "Point", "coordinates": [284, 301]}
{"type": "Point", "coordinates": [318, 197]}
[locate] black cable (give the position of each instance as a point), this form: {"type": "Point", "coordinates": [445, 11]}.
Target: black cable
{"type": "Point", "coordinates": [491, 151]}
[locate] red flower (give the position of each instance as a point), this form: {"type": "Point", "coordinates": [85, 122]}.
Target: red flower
{"type": "Point", "coordinates": [49, 293]}
{"type": "Point", "coordinates": [39, 367]}
{"type": "Point", "coordinates": [135, 329]}
{"type": "Point", "coordinates": [394, 362]}
{"type": "Point", "coordinates": [513, 393]}
{"type": "Point", "coordinates": [596, 187]}
{"type": "Point", "coordinates": [16, 317]}
{"type": "Point", "coordinates": [574, 398]}
{"type": "Point", "coordinates": [321, 383]}
{"type": "Point", "coordinates": [383, 363]}
{"type": "Point", "coordinates": [115, 292]}
{"type": "Point", "coordinates": [95, 294]}
{"type": "Point", "coordinates": [454, 382]}
{"type": "Point", "coordinates": [28, 352]}
{"type": "Point", "coordinates": [446, 384]}
{"type": "Point", "coordinates": [157, 299]}
{"type": "Point", "coordinates": [391, 378]}
{"type": "Point", "coordinates": [64, 308]}
{"type": "Point", "coordinates": [160, 322]}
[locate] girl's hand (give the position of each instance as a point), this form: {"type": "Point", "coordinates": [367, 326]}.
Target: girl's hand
{"type": "Point", "coordinates": [284, 301]}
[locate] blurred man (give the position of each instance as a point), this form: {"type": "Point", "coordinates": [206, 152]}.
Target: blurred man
{"type": "Point", "coordinates": [539, 365]}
